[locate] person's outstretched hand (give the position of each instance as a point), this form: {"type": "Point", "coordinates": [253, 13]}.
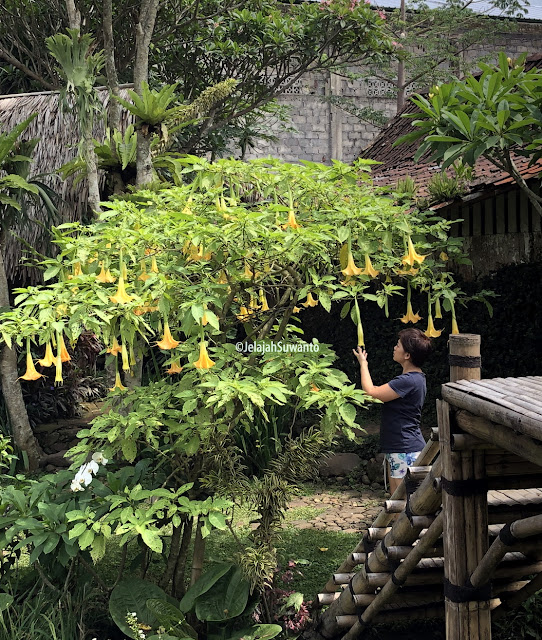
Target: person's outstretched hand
{"type": "Point", "coordinates": [361, 354]}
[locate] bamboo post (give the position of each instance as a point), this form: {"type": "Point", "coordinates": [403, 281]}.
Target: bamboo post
{"type": "Point", "coordinates": [464, 499]}
{"type": "Point", "coordinates": [464, 357]}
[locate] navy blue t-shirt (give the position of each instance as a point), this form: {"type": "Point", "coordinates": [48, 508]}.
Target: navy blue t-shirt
{"type": "Point", "coordinates": [400, 427]}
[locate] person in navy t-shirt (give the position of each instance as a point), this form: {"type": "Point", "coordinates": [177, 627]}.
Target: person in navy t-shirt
{"type": "Point", "coordinates": [403, 397]}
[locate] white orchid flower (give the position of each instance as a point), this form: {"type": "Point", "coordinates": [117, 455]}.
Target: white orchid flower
{"type": "Point", "coordinates": [99, 458]}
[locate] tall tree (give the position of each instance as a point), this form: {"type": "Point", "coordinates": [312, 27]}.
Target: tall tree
{"type": "Point", "coordinates": [14, 187]}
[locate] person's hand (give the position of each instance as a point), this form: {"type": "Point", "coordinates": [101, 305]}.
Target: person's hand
{"type": "Point", "coordinates": [361, 354]}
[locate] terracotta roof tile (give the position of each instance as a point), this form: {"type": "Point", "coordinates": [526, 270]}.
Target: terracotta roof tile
{"type": "Point", "coordinates": [398, 162]}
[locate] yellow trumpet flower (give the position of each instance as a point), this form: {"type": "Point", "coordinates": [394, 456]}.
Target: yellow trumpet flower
{"type": "Point", "coordinates": [48, 359]}
{"type": "Point", "coordinates": [443, 256]}
{"type": "Point", "coordinates": [310, 302]}
{"type": "Point", "coordinates": [132, 356]}
{"type": "Point", "coordinates": [167, 341]}
{"type": "Point", "coordinates": [30, 373]}
{"type": "Point", "coordinates": [351, 269]}
{"type": "Point", "coordinates": [115, 347]}
{"type": "Point", "coordinates": [292, 222]}
{"type": "Point", "coordinates": [77, 271]}
{"type": "Point", "coordinates": [343, 255]}
{"type": "Point", "coordinates": [431, 332]}
{"type": "Point", "coordinates": [139, 311]}
{"type": "Point", "coordinates": [144, 275]}
{"type": "Point", "coordinates": [105, 275]}
{"type": "Point", "coordinates": [204, 321]}
{"type": "Point", "coordinates": [125, 359]}
{"type": "Point", "coordinates": [297, 309]}
{"type": "Point", "coordinates": [369, 271]}
{"type": "Point", "coordinates": [118, 384]}
{"type": "Point", "coordinates": [348, 282]}
{"type": "Point", "coordinates": [247, 272]}
{"type": "Point", "coordinates": [361, 337]}
{"type": "Point", "coordinates": [411, 257]}
{"type": "Point", "coordinates": [314, 388]}
{"type": "Point", "coordinates": [438, 310]}
{"type": "Point", "coordinates": [263, 300]}
{"type": "Point", "coordinates": [253, 304]}
{"type": "Point", "coordinates": [223, 278]}
{"type": "Point", "coordinates": [410, 316]}
{"type": "Point", "coordinates": [203, 362]}
{"type": "Point", "coordinates": [154, 266]}
{"type": "Point", "coordinates": [121, 297]}
{"type": "Point", "coordinates": [58, 371]}
{"type": "Point", "coordinates": [406, 272]}
{"type": "Point", "coordinates": [62, 351]}
{"type": "Point", "coordinates": [244, 314]}
{"type": "Point", "coordinates": [174, 368]}
{"type": "Point", "coordinates": [455, 328]}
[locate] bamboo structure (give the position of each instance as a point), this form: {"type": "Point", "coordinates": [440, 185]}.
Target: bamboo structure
{"type": "Point", "coordinates": [466, 543]}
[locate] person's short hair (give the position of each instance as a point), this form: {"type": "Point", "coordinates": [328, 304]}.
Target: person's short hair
{"type": "Point", "coordinates": [417, 344]}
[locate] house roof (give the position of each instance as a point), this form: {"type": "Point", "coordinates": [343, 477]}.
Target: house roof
{"type": "Point", "coordinates": [398, 162]}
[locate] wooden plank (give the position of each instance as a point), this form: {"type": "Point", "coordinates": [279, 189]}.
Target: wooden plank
{"type": "Point", "coordinates": [524, 422]}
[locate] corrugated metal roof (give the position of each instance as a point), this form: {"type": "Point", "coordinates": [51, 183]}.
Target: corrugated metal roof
{"type": "Point", "coordinates": [398, 162]}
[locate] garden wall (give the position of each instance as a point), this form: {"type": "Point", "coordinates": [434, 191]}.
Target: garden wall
{"type": "Point", "coordinates": [324, 131]}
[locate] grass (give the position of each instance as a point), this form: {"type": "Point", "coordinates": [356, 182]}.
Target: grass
{"type": "Point", "coordinates": [303, 513]}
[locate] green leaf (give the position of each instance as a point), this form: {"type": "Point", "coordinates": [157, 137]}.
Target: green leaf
{"type": "Point", "coordinates": [129, 596]}
{"type": "Point", "coordinates": [97, 551]}
{"type": "Point", "coordinates": [6, 600]}
{"type": "Point", "coordinates": [203, 584]}
{"type": "Point", "coordinates": [129, 450]}
{"type": "Point", "coordinates": [217, 519]}
{"type": "Point", "coordinates": [325, 301]}
{"type": "Point", "coordinates": [348, 413]}
{"type": "Point", "coordinates": [152, 540]}
{"type": "Point", "coordinates": [226, 599]}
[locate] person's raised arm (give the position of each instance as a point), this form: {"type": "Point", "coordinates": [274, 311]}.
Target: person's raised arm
{"type": "Point", "coordinates": [384, 392]}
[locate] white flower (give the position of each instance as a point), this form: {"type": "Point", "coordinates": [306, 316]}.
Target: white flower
{"type": "Point", "coordinates": [93, 467]}
{"type": "Point", "coordinates": [99, 458]}
{"type": "Point", "coordinates": [76, 486]}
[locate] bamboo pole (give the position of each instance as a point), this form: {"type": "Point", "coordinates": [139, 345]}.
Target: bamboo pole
{"type": "Point", "coordinates": [519, 529]}
{"type": "Point", "coordinates": [462, 441]}
{"type": "Point", "coordinates": [464, 357]}
{"type": "Point", "coordinates": [400, 576]}
{"type": "Point", "coordinates": [517, 598]}
{"type": "Point", "coordinates": [427, 455]}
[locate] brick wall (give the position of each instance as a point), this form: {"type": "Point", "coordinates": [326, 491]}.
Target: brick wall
{"type": "Point", "coordinates": [323, 131]}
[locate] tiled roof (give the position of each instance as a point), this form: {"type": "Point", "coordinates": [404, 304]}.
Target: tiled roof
{"type": "Point", "coordinates": [398, 162]}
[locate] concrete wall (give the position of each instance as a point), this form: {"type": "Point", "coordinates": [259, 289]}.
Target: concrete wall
{"type": "Point", "coordinates": [323, 131]}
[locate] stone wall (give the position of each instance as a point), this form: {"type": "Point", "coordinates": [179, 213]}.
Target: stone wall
{"type": "Point", "coordinates": [323, 131]}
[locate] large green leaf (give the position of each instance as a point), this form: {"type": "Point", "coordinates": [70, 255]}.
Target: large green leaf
{"type": "Point", "coordinates": [227, 599]}
{"type": "Point", "coordinates": [207, 580]}
{"type": "Point", "coordinates": [130, 596]}
{"type": "Point", "coordinates": [258, 632]}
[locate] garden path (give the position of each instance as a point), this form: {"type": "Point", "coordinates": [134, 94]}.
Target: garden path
{"type": "Point", "coordinates": [347, 510]}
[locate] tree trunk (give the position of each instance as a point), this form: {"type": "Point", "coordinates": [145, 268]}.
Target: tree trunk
{"type": "Point", "coordinates": [144, 31]}
{"type": "Point", "coordinates": [74, 16]}
{"type": "Point", "coordinates": [113, 109]}
{"type": "Point", "coordinates": [198, 555]}
{"type": "Point", "coordinates": [92, 170]}
{"type": "Point", "coordinates": [11, 388]}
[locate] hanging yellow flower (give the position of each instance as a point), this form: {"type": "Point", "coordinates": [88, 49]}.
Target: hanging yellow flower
{"type": "Point", "coordinates": [115, 347]}
{"type": "Point", "coordinates": [244, 314]}
{"type": "Point", "coordinates": [348, 282]}
{"type": "Point", "coordinates": [62, 351]}
{"type": "Point", "coordinates": [167, 341]}
{"type": "Point", "coordinates": [48, 359]}
{"type": "Point", "coordinates": [105, 275]}
{"type": "Point", "coordinates": [410, 316]}
{"type": "Point", "coordinates": [310, 302]}
{"type": "Point", "coordinates": [58, 371]}
{"type": "Point", "coordinates": [297, 309]}
{"type": "Point", "coordinates": [343, 255]}
{"type": "Point", "coordinates": [411, 257]}
{"type": "Point", "coordinates": [247, 272]}
{"type": "Point", "coordinates": [223, 278]}
{"type": "Point", "coordinates": [369, 271]}
{"type": "Point", "coordinates": [121, 297]}
{"type": "Point", "coordinates": [351, 269]}
{"type": "Point", "coordinates": [77, 271]}
{"type": "Point", "coordinates": [431, 332]}
{"type": "Point", "coordinates": [174, 368]}
{"type": "Point", "coordinates": [118, 384]}
{"type": "Point", "coordinates": [438, 310]}
{"type": "Point", "coordinates": [443, 256]}
{"type": "Point", "coordinates": [143, 275]}
{"type": "Point", "coordinates": [455, 328]}
{"type": "Point", "coordinates": [30, 373]}
{"type": "Point", "coordinates": [253, 304]}
{"type": "Point", "coordinates": [406, 272]}
{"type": "Point", "coordinates": [292, 222]}
{"type": "Point", "coordinates": [125, 358]}
{"type": "Point", "coordinates": [154, 266]}
{"type": "Point", "coordinates": [203, 362]}
{"type": "Point", "coordinates": [263, 300]}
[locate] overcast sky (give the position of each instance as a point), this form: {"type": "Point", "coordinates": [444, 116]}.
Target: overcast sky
{"type": "Point", "coordinates": [534, 11]}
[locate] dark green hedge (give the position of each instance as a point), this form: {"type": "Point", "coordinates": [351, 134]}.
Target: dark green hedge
{"type": "Point", "coordinates": [511, 339]}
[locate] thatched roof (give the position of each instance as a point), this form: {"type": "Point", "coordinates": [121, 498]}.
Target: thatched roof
{"type": "Point", "coordinates": [58, 138]}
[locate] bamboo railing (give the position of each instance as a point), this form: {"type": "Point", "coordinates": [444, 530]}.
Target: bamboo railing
{"type": "Point", "coordinates": [467, 533]}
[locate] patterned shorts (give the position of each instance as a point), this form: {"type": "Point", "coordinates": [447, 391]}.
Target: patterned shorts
{"type": "Point", "coordinates": [399, 462]}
